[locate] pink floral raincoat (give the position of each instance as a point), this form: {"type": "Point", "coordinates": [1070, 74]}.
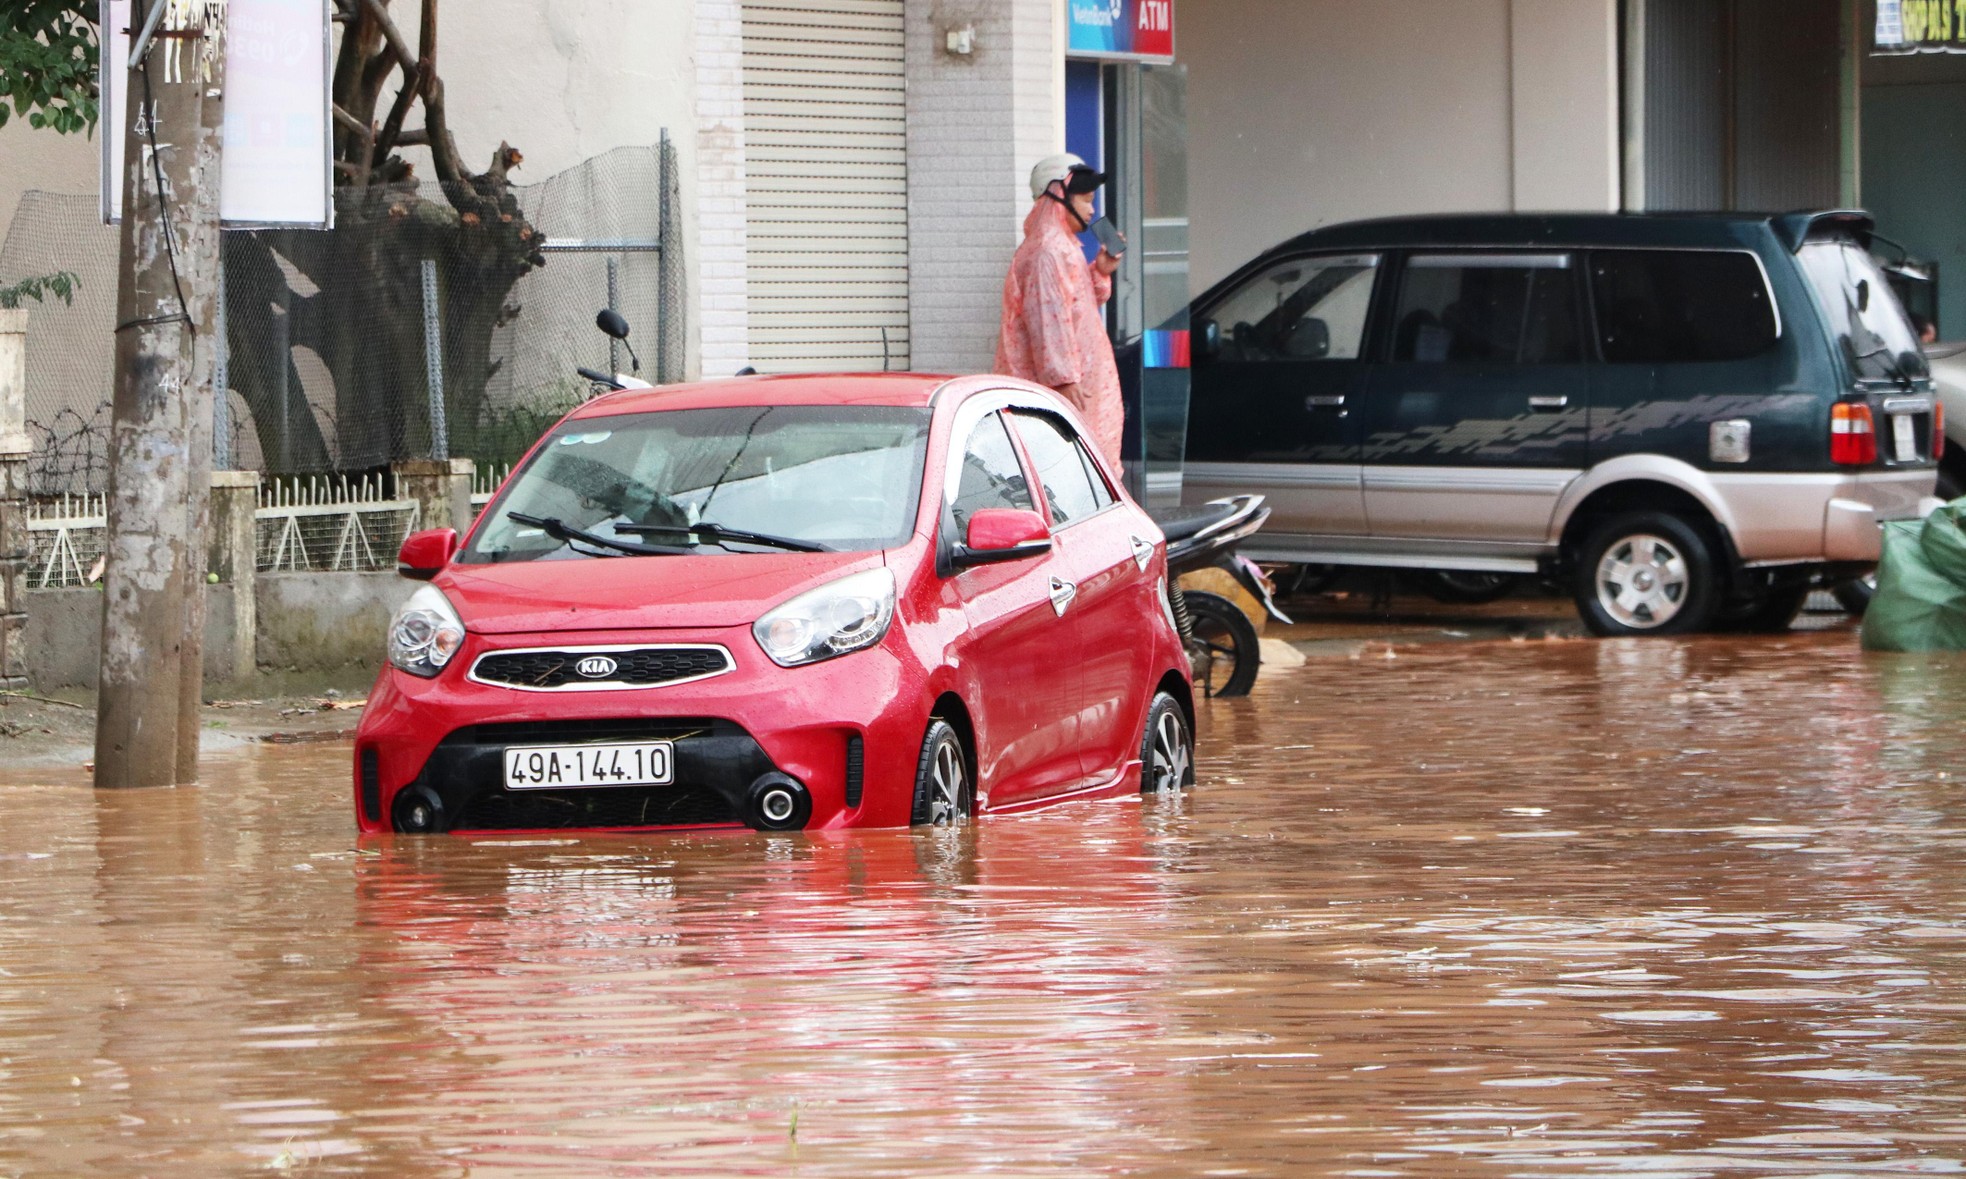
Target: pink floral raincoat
{"type": "Point", "coordinates": [1052, 332]}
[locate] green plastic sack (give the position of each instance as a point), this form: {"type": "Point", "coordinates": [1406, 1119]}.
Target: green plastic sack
{"type": "Point", "coordinates": [1920, 604]}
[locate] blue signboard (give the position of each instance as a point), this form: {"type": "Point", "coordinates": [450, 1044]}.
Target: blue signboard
{"type": "Point", "coordinates": [1127, 30]}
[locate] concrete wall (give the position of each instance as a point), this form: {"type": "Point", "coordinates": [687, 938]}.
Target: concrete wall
{"type": "Point", "coordinates": [976, 125]}
{"type": "Point", "coordinates": [1306, 112]}
{"type": "Point", "coordinates": [308, 623]}
{"type": "Point", "coordinates": [64, 636]}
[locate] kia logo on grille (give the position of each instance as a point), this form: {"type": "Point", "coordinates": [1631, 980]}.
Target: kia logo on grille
{"type": "Point", "coordinates": [596, 667]}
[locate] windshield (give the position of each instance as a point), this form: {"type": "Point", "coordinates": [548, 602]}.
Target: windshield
{"type": "Point", "coordinates": [1862, 311]}
{"type": "Point", "coordinates": [835, 478]}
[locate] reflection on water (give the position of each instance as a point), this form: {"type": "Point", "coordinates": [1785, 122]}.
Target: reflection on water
{"type": "Point", "coordinates": [1535, 908]}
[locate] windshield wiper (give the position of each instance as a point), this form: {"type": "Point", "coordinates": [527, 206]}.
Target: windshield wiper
{"type": "Point", "coordinates": [717, 534]}
{"type": "Point", "coordinates": [560, 530]}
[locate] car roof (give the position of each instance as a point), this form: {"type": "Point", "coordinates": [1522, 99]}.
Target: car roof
{"type": "Point", "coordinates": [1539, 229]}
{"type": "Point", "coordinates": [906, 390]}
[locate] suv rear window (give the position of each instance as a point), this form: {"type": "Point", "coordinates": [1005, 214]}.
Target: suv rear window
{"type": "Point", "coordinates": [1680, 306]}
{"type": "Point", "coordinates": [1863, 313]}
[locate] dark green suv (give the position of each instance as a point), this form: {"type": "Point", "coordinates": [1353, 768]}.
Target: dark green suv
{"type": "Point", "coordinates": [1690, 420]}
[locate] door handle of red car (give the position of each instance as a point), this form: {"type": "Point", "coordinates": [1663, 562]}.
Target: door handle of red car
{"type": "Point", "coordinates": [1062, 593]}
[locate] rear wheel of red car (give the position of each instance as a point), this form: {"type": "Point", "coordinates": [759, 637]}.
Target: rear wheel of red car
{"type": "Point", "coordinates": [1167, 749]}
{"type": "Point", "coordinates": [943, 792]}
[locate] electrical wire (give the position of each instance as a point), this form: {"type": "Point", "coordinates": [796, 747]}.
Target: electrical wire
{"type": "Point", "coordinates": [163, 201]}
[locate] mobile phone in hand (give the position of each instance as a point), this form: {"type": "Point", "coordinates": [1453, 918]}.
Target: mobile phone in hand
{"type": "Point", "coordinates": [1109, 236]}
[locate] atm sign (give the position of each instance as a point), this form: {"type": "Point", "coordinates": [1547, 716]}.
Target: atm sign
{"type": "Point", "coordinates": [1131, 30]}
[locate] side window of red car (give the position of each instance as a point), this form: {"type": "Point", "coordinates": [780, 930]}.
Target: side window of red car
{"type": "Point", "coordinates": [1060, 469]}
{"type": "Point", "coordinates": [1101, 493]}
{"type": "Point", "coordinates": [991, 474]}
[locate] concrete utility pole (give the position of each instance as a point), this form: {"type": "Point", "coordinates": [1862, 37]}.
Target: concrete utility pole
{"type": "Point", "coordinates": [146, 726]}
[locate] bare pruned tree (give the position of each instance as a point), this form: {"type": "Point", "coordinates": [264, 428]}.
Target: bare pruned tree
{"type": "Point", "coordinates": [364, 314]}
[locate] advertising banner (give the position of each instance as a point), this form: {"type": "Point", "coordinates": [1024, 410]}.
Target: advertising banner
{"type": "Point", "coordinates": [277, 166]}
{"type": "Point", "coordinates": [1920, 26]}
{"type": "Point", "coordinates": [1120, 30]}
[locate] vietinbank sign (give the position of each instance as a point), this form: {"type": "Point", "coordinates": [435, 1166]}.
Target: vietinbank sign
{"type": "Point", "coordinates": [1127, 30]}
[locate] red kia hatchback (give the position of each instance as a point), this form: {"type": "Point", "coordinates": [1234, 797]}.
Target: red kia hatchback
{"type": "Point", "coordinates": [784, 602]}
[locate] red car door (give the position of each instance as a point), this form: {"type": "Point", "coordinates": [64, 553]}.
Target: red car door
{"type": "Point", "coordinates": [1021, 647]}
{"type": "Point", "coordinates": [1103, 547]}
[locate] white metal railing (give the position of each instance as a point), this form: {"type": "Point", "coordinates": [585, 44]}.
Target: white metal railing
{"type": "Point", "coordinates": [486, 482]}
{"type": "Point", "coordinates": [65, 537]}
{"type": "Point", "coordinates": [484, 485]}
{"type": "Point", "coordinates": [330, 523]}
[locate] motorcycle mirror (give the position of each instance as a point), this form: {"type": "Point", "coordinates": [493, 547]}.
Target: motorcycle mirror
{"type": "Point", "coordinates": [610, 321]}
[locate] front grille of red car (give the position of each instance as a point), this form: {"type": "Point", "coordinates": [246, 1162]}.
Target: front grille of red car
{"type": "Point", "coordinates": [639, 667]}
{"type": "Point", "coordinates": [655, 806]}
{"type": "Point", "coordinates": [625, 728]}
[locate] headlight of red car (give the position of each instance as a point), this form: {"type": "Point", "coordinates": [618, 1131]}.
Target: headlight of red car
{"type": "Point", "coordinates": [841, 616]}
{"type": "Point", "coordinates": [425, 633]}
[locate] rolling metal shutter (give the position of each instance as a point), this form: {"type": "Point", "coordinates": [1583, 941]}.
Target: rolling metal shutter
{"type": "Point", "coordinates": [825, 155]}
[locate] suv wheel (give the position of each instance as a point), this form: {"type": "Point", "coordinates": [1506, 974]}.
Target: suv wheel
{"type": "Point", "coordinates": [1646, 573]}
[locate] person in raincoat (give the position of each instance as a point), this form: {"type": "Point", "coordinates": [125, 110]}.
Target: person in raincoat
{"type": "Point", "coordinates": [1052, 331]}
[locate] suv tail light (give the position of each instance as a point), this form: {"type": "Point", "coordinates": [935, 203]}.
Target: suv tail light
{"type": "Point", "coordinates": [1852, 434]}
{"type": "Point", "coordinates": [1938, 429]}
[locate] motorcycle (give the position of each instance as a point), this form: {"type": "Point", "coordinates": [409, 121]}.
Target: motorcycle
{"type": "Point", "coordinates": [1222, 643]}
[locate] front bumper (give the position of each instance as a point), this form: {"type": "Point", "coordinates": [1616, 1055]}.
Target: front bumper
{"type": "Point", "coordinates": [842, 731]}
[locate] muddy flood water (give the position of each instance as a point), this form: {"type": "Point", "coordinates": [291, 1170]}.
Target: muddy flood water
{"type": "Point", "coordinates": [1540, 908]}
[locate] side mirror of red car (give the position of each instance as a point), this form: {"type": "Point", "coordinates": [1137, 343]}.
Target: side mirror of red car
{"type": "Point", "coordinates": [1003, 534]}
{"type": "Point", "coordinates": [424, 554]}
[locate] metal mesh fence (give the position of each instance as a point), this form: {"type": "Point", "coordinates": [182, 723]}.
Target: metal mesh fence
{"type": "Point", "coordinates": [408, 331]}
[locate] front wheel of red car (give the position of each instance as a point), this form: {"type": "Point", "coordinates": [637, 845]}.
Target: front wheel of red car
{"type": "Point", "coordinates": [943, 791]}
{"type": "Point", "coordinates": [1167, 749]}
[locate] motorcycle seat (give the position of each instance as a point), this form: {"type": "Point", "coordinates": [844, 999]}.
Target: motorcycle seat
{"type": "Point", "coordinates": [1180, 523]}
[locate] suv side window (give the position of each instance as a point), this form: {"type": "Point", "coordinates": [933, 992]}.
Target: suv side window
{"type": "Point", "coordinates": [1487, 309]}
{"type": "Point", "coordinates": [1060, 470]}
{"type": "Point", "coordinates": [1303, 309]}
{"type": "Point", "coordinates": [1680, 306]}
{"type": "Point", "coordinates": [991, 475]}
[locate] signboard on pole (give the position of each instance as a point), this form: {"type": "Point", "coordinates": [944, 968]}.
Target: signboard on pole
{"type": "Point", "coordinates": [1920, 26]}
{"type": "Point", "coordinates": [1120, 30]}
{"type": "Point", "coordinates": [278, 168]}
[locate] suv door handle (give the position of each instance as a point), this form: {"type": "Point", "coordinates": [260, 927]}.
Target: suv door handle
{"type": "Point", "coordinates": [1548, 403]}
{"type": "Point", "coordinates": [1062, 593]}
{"type": "Point", "coordinates": [1324, 401]}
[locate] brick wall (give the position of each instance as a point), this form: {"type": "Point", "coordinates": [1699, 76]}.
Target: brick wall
{"type": "Point", "coordinates": [976, 124]}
